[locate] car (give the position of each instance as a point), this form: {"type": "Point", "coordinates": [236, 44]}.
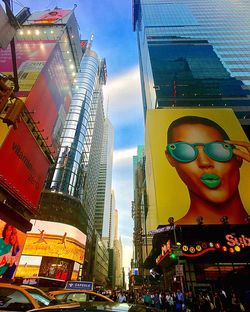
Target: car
{"type": "Point", "coordinates": [70, 295]}
{"type": "Point", "coordinates": [97, 307]}
{"type": "Point", "coordinates": [22, 298]}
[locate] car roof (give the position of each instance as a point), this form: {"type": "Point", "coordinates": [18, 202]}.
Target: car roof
{"type": "Point", "coordinates": [99, 306]}
{"type": "Point", "coordinates": [35, 288]}
{"type": "Point", "coordinates": [22, 290]}
{"type": "Point", "coordinates": [65, 291]}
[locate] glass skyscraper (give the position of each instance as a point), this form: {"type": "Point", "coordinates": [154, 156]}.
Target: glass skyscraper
{"type": "Point", "coordinates": [194, 53]}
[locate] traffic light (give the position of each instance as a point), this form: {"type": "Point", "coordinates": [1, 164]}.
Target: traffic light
{"type": "Point", "coordinates": [5, 93]}
{"type": "Point", "coordinates": [13, 113]}
{"type": "Point", "coordinates": [173, 256]}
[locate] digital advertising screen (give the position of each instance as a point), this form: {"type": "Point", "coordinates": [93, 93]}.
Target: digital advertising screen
{"type": "Point", "coordinates": [11, 244]}
{"type": "Point", "coordinates": [54, 239]}
{"type": "Point", "coordinates": [196, 167]}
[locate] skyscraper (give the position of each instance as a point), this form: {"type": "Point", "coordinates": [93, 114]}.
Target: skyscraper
{"type": "Point", "coordinates": [194, 53]}
{"type": "Point", "coordinates": [103, 202]}
{"type": "Point", "coordinates": [194, 61]}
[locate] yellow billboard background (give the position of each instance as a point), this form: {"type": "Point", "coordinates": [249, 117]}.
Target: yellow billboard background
{"type": "Point", "coordinates": [167, 194]}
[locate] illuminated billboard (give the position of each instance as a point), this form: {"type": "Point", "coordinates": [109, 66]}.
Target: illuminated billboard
{"type": "Point", "coordinates": [55, 239]}
{"type": "Point", "coordinates": [193, 171]}
{"type": "Point", "coordinates": [52, 249]}
{"type": "Point", "coordinates": [23, 166]}
{"type": "Point", "coordinates": [11, 245]}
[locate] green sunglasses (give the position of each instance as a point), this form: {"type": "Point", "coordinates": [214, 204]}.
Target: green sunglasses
{"type": "Point", "coordinates": [186, 152]}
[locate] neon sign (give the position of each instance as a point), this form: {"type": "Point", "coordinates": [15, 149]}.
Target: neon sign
{"type": "Point", "coordinates": [242, 241]}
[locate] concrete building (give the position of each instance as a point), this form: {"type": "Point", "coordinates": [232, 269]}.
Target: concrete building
{"type": "Point", "coordinates": [103, 224]}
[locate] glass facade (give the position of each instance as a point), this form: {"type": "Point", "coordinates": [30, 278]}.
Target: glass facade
{"type": "Point", "coordinates": [75, 134]}
{"type": "Point", "coordinates": [194, 53]}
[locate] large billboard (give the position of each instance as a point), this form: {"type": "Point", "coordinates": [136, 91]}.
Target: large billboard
{"type": "Point", "coordinates": [23, 166]}
{"type": "Point", "coordinates": [197, 167]}
{"type": "Point", "coordinates": [11, 245]}
{"type": "Point", "coordinates": [52, 249]}
{"type": "Point", "coordinates": [43, 80]}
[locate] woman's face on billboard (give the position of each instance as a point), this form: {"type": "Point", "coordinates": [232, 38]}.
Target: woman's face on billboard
{"type": "Point", "coordinates": [210, 179]}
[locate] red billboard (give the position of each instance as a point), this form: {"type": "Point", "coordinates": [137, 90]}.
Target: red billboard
{"type": "Point", "coordinates": [23, 166]}
{"type": "Point", "coordinates": [50, 98]}
{"type": "Point", "coordinates": [44, 81]}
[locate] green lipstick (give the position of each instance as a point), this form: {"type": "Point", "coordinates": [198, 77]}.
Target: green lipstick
{"type": "Point", "coordinates": [210, 180]}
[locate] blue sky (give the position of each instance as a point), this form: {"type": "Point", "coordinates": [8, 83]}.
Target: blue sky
{"type": "Point", "coordinates": [111, 23]}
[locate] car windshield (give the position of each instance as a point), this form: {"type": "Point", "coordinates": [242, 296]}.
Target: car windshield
{"type": "Point", "coordinates": [39, 297]}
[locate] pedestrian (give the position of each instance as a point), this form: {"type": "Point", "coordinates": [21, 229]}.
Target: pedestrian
{"type": "Point", "coordinates": [122, 297]}
{"type": "Point", "coordinates": [189, 302]}
{"type": "Point", "coordinates": [147, 299]}
{"type": "Point", "coordinates": [179, 300]}
{"type": "Point", "coordinates": [218, 307]}
{"type": "Point", "coordinates": [235, 302]}
{"type": "Point", "coordinates": [170, 302]}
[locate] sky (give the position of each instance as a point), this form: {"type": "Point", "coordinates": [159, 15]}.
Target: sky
{"type": "Point", "coordinates": [111, 23]}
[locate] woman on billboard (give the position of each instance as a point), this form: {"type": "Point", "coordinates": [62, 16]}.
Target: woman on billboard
{"type": "Point", "coordinates": [5, 248]}
{"type": "Point", "coordinates": [208, 163]}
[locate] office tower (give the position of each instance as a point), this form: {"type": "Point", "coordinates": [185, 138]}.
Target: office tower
{"type": "Point", "coordinates": [117, 253]}
{"type": "Point", "coordinates": [194, 62]}
{"type": "Point", "coordinates": [48, 53]}
{"type": "Point", "coordinates": [138, 207]}
{"type": "Point", "coordinates": [74, 180]}
{"type": "Point", "coordinates": [45, 48]}
{"type": "Point", "coordinates": [103, 201]}
{"type": "Point", "coordinates": [72, 145]}
{"type": "Point", "coordinates": [194, 53]}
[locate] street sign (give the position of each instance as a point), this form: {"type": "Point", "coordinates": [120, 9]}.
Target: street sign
{"type": "Point", "coordinates": [179, 270]}
{"type": "Point", "coordinates": [79, 285]}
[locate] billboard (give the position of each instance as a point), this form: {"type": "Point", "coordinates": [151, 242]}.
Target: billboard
{"type": "Point", "coordinates": [11, 245]}
{"type": "Point", "coordinates": [50, 93]}
{"type": "Point", "coordinates": [44, 82]}
{"type": "Point", "coordinates": [192, 173]}
{"type": "Point", "coordinates": [52, 249]}
{"type": "Point", "coordinates": [23, 166]}
{"type": "Point", "coordinates": [54, 239]}
{"type": "Point", "coordinates": [52, 17]}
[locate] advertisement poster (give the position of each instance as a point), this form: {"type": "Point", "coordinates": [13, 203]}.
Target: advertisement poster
{"type": "Point", "coordinates": [23, 166]}
{"type": "Point", "coordinates": [11, 245]}
{"type": "Point", "coordinates": [52, 249]}
{"type": "Point", "coordinates": [196, 167]}
{"type": "Point", "coordinates": [39, 64]}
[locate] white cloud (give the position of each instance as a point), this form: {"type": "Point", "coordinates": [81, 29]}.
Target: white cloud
{"type": "Point", "coordinates": [123, 187]}
{"type": "Point", "coordinates": [124, 157]}
{"type": "Point", "coordinates": [122, 95]}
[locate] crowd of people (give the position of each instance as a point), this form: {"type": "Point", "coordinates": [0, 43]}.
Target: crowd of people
{"type": "Point", "coordinates": [176, 301]}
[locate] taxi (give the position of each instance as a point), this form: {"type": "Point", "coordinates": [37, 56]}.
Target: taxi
{"type": "Point", "coordinates": [21, 298]}
{"type": "Point", "coordinates": [70, 295]}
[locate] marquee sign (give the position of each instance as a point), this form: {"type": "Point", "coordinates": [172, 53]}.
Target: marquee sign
{"type": "Point", "coordinates": [230, 244]}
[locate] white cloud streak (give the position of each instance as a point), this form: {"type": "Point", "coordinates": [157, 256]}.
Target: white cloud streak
{"type": "Point", "coordinates": [122, 96]}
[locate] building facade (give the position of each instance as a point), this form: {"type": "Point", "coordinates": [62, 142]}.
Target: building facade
{"type": "Point", "coordinates": [194, 65]}
{"type": "Point", "coordinates": [103, 224]}
{"type": "Point", "coordinates": [47, 46]}
{"type": "Point", "coordinates": [59, 73]}
{"type": "Point", "coordinates": [194, 53]}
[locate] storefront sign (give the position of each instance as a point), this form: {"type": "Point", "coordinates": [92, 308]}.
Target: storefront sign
{"type": "Point", "coordinates": [242, 241]}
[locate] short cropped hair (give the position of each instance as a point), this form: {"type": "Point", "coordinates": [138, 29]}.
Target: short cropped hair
{"type": "Point", "coordinates": [193, 120]}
